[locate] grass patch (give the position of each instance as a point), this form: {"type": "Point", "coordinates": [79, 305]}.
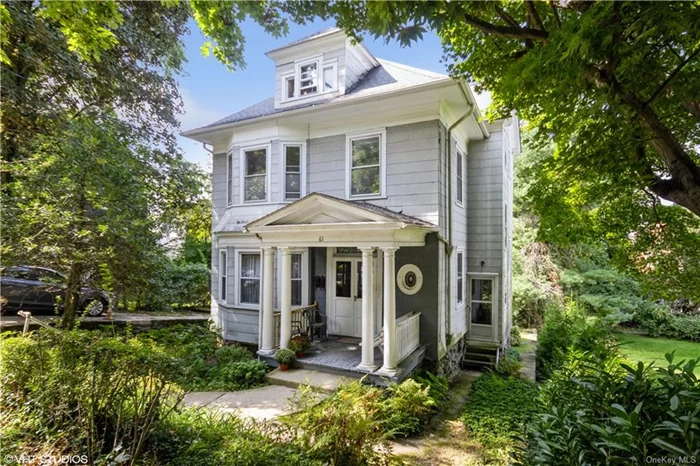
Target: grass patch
{"type": "Point", "coordinates": [648, 349]}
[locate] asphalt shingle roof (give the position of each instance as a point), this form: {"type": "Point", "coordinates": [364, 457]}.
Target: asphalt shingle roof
{"type": "Point", "coordinates": [385, 78]}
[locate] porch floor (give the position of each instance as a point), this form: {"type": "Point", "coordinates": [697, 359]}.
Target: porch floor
{"type": "Point", "coordinates": [342, 355]}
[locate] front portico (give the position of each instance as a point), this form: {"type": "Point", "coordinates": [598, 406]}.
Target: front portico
{"type": "Point", "coordinates": [361, 241]}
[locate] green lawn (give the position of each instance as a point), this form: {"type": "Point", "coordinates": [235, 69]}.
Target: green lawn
{"type": "Point", "coordinates": [646, 349]}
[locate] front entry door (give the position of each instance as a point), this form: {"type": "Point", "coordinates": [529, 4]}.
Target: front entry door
{"type": "Point", "coordinates": [348, 297]}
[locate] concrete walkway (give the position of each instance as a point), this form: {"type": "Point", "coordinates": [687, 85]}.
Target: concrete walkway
{"type": "Point", "coordinates": [268, 402]}
{"type": "Point", "coordinates": [529, 343]}
{"type": "Point", "coordinates": [258, 403]}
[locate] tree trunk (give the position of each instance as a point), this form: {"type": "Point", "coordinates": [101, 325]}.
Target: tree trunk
{"type": "Point", "coordinates": [73, 285]}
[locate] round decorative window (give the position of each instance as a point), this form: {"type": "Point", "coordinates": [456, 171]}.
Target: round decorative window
{"type": "Point", "coordinates": [409, 279]}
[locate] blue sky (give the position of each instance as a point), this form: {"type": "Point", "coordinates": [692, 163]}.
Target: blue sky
{"type": "Point", "coordinates": [211, 92]}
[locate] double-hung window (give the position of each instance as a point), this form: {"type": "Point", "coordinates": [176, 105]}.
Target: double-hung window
{"type": "Point", "coordinates": [249, 278]}
{"type": "Point", "coordinates": [254, 185]}
{"type": "Point", "coordinates": [229, 178]}
{"type": "Point", "coordinates": [293, 172]}
{"type": "Point", "coordinates": [366, 159]}
{"type": "Point", "coordinates": [308, 78]}
{"type": "Point", "coordinates": [460, 177]}
{"type": "Point", "coordinates": [460, 277]}
{"type": "Point", "coordinates": [297, 279]}
{"type": "Point", "coordinates": [223, 262]}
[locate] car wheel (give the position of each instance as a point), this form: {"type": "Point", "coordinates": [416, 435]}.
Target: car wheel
{"type": "Point", "coordinates": [95, 307]}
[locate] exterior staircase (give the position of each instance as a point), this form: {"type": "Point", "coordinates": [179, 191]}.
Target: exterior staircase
{"type": "Point", "coordinates": [480, 357]}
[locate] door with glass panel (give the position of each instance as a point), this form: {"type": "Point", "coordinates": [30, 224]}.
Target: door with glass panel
{"type": "Point", "coordinates": [347, 300]}
{"type": "Point", "coordinates": [483, 305]}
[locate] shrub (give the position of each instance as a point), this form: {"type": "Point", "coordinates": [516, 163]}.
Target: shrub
{"type": "Point", "coordinates": [566, 328]}
{"type": "Point", "coordinates": [82, 392]}
{"type": "Point", "coordinates": [497, 409]}
{"type": "Point", "coordinates": [344, 429]}
{"type": "Point", "coordinates": [406, 408]}
{"type": "Point", "coordinates": [198, 437]}
{"type": "Point", "coordinates": [509, 364]}
{"type": "Point", "coordinates": [659, 321]}
{"type": "Point", "coordinates": [285, 356]}
{"type": "Point", "coordinates": [599, 411]}
{"type": "Point", "coordinates": [233, 353]}
{"type": "Point", "coordinates": [180, 285]}
{"type": "Point", "coordinates": [515, 337]}
{"type": "Point", "coordinates": [439, 387]}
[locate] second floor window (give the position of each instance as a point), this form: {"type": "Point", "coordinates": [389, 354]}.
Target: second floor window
{"type": "Point", "coordinates": [255, 175]}
{"type": "Point", "coordinates": [365, 165]}
{"type": "Point", "coordinates": [293, 166]}
{"type": "Point", "coordinates": [460, 177]}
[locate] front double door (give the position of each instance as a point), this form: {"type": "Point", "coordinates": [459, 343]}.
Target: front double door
{"type": "Point", "coordinates": [348, 297]}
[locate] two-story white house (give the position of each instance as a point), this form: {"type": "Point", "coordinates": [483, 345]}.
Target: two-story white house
{"type": "Point", "coordinates": [374, 190]}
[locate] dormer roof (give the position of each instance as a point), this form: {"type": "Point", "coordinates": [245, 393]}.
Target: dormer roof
{"type": "Point", "coordinates": [317, 35]}
{"type": "Point", "coordinates": [386, 78]}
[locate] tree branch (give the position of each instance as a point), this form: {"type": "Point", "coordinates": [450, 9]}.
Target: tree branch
{"type": "Point", "coordinates": [505, 31]}
{"type": "Point", "coordinates": [555, 12]}
{"type": "Point", "coordinates": [532, 13]}
{"type": "Point", "coordinates": [672, 75]}
{"type": "Point", "coordinates": [505, 16]}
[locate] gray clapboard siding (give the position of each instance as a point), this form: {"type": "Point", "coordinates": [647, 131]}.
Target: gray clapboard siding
{"type": "Point", "coordinates": [240, 325]}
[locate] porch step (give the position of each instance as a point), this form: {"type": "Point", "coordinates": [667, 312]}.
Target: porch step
{"type": "Point", "coordinates": [292, 378]}
{"type": "Point", "coordinates": [479, 357]}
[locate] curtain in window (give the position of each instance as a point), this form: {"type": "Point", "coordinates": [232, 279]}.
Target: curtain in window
{"type": "Point", "coordinates": [250, 278]}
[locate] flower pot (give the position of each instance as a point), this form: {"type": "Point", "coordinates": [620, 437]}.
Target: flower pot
{"type": "Point", "coordinates": [300, 354]}
{"type": "Point", "coordinates": [284, 366]}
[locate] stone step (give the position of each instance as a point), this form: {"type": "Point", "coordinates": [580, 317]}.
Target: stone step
{"type": "Point", "coordinates": [323, 381]}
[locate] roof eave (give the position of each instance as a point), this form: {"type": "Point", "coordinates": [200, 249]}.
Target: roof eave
{"type": "Point", "coordinates": [192, 133]}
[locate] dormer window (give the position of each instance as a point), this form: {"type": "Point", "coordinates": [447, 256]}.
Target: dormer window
{"type": "Point", "coordinates": [310, 77]}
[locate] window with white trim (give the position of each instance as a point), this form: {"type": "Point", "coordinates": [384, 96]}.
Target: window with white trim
{"type": "Point", "coordinates": [307, 75]}
{"type": "Point", "coordinates": [289, 87]}
{"type": "Point", "coordinates": [223, 279]}
{"type": "Point", "coordinates": [229, 178]}
{"type": "Point", "coordinates": [297, 279]}
{"type": "Point", "coordinates": [249, 278]}
{"type": "Point", "coordinates": [366, 158]}
{"type": "Point", "coordinates": [460, 178]}
{"type": "Point", "coordinates": [293, 167]}
{"type": "Point", "coordinates": [330, 77]}
{"type": "Point", "coordinates": [460, 277]}
{"type": "Point", "coordinates": [255, 174]}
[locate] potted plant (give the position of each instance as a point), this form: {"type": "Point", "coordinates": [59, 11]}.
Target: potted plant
{"type": "Point", "coordinates": [299, 344]}
{"type": "Point", "coordinates": [285, 357]}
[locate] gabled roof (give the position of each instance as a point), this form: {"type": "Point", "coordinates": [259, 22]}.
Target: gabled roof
{"type": "Point", "coordinates": [383, 79]}
{"type": "Point", "coordinates": [316, 35]}
{"type": "Point", "coordinates": [317, 209]}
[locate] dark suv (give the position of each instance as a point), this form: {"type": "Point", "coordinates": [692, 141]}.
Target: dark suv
{"type": "Point", "coordinates": [30, 288]}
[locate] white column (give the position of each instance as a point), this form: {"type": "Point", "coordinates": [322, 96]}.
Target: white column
{"type": "Point", "coordinates": [268, 283]}
{"type": "Point", "coordinates": [367, 363]}
{"type": "Point", "coordinates": [390, 354]}
{"type": "Point", "coordinates": [285, 297]}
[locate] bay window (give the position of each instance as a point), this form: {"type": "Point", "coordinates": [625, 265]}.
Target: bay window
{"type": "Point", "coordinates": [249, 278]}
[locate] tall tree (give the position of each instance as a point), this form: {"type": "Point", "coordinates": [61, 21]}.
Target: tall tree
{"type": "Point", "coordinates": [616, 84]}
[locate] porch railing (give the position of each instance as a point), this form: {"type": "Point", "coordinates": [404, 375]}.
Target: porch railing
{"type": "Point", "coordinates": [300, 321]}
{"type": "Point", "coordinates": [407, 335]}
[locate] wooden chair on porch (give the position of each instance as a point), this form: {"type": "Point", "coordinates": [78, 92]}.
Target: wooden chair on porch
{"type": "Point", "coordinates": [312, 322]}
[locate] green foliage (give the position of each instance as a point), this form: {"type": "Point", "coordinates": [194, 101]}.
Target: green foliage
{"type": "Point", "coordinates": [344, 429]}
{"type": "Point", "coordinates": [598, 411]}
{"type": "Point", "coordinates": [406, 408]}
{"type": "Point", "coordinates": [515, 338]}
{"type": "Point", "coordinates": [200, 364]}
{"type": "Point", "coordinates": [180, 285]}
{"type": "Point", "coordinates": [198, 437]}
{"type": "Point", "coordinates": [498, 408]}
{"type": "Point", "coordinates": [565, 329]}
{"type": "Point", "coordinates": [299, 343]}
{"type": "Point", "coordinates": [82, 393]}
{"type": "Point", "coordinates": [509, 364]}
{"type": "Point", "coordinates": [660, 322]}
{"type": "Point", "coordinates": [285, 356]}
{"type": "Point", "coordinates": [439, 387]}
